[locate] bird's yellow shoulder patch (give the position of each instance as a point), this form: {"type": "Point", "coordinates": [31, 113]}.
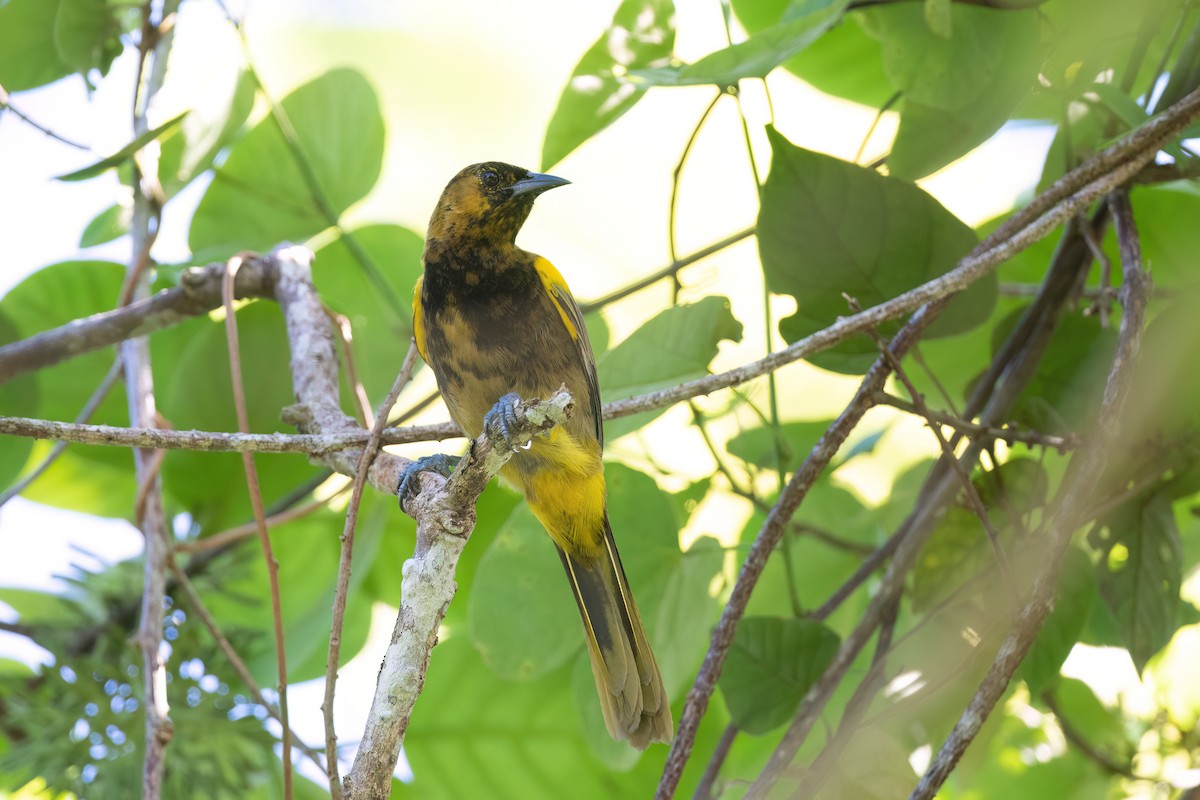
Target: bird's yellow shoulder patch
{"type": "Point", "coordinates": [556, 289]}
{"type": "Point", "coordinates": [419, 321]}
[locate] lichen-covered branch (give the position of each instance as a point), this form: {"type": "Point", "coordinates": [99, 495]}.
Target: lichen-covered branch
{"type": "Point", "coordinates": [445, 515]}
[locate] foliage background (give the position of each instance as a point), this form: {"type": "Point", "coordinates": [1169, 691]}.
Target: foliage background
{"type": "Point", "coordinates": [388, 103]}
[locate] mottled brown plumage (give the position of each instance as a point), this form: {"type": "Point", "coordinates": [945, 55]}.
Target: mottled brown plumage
{"type": "Point", "coordinates": [490, 319]}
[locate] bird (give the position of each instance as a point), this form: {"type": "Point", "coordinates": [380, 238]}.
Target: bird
{"type": "Point", "coordinates": [497, 323]}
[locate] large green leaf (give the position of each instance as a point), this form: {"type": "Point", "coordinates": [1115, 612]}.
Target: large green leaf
{"type": "Point", "coordinates": [674, 346]}
{"type": "Point", "coordinates": [828, 227]}
{"type": "Point", "coordinates": [521, 615]}
{"type": "Point", "coordinates": [259, 196]}
{"type": "Point", "coordinates": [802, 23]}
{"type": "Point", "coordinates": [1140, 573]}
{"type": "Point", "coordinates": [844, 62]}
{"type": "Point", "coordinates": [28, 57]}
{"type": "Point", "coordinates": [307, 551]}
{"type": "Point", "coordinates": [772, 663]}
{"type": "Point", "coordinates": [642, 35]}
{"type": "Point", "coordinates": [381, 337]}
{"type": "Point", "coordinates": [471, 729]}
{"type": "Point", "coordinates": [198, 394]}
{"type": "Point", "coordinates": [52, 296]}
{"type": "Point", "coordinates": [959, 85]}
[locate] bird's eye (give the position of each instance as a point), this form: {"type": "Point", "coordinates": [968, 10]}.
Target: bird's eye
{"type": "Point", "coordinates": [489, 178]}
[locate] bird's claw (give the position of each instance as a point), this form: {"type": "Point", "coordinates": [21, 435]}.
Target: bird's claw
{"type": "Point", "coordinates": [441, 463]}
{"type": "Point", "coordinates": [501, 421]}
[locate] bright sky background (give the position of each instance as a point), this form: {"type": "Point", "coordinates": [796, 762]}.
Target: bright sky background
{"type": "Point", "coordinates": [462, 82]}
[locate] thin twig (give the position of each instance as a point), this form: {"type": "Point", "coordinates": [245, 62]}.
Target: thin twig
{"type": "Point", "coordinates": [260, 517]}
{"type": "Point", "coordinates": [6, 104]}
{"type": "Point", "coordinates": [667, 271]}
{"type": "Point", "coordinates": [343, 579]}
{"type": "Point", "coordinates": [974, 429]}
{"type": "Point", "coordinates": [139, 383]}
{"type": "Point", "coordinates": [214, 442]}
{"type": "Point", "coordinates": [228, 537]}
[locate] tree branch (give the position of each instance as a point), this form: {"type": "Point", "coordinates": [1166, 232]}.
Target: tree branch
{"type": "Point", "coordinates": [139, 388]}
{"type": "Point", "coordinates": [445, 515]}
{"type": "Point", "coordinates": [1068, 511]}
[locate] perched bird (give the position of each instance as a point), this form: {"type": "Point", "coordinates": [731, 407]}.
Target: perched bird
{"type": "Point", "coordinates": [496, 323]}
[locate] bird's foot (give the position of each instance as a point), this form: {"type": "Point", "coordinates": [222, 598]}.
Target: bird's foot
{"type": "Point", "coordinates": [501, 421]}
{"type": "Point", "coordinates": [440, 463]}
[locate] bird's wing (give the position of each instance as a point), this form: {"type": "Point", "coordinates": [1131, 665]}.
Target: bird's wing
{"type": "Point", "coordinates": [419, 320]}
{"type": "Point", "coordinates": [572, 317]}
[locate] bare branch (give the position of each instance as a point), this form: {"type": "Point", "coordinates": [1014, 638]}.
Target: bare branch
{"type": "Point", "coordinates": [139, 388]}
{"type": "Point", "coordinates": [764, 544]}
{"type": "Point", "coordinates": [343, 579]}
{"type": "Point", "coordinates": [1068, 510]}
{"type": "Point", "coordinates": [445, 515]}
{"type": "Point", "coordinates": [199, 292]}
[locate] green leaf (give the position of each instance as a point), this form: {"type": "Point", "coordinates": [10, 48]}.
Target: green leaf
{"type": "Point", "coordinates": [674, 346]}
{"type": "Point", "coordinates": [259, 196]}
{"type": "Point", "coordinates": [517, 739]}
{"type": "Point", "coordinates": [772, 663]}
{"type": "Point", "coordinates": [212, 486]}
{"type": "Point", "coordinates": [960, 83]}
{"type": "Point", "coordinates": [124, 154]}
{"type": "Point", "coordinates": [803, 22]}
{"type": "Point", "coordinates": [521, 617]}
{"type": "Point", "coordinates": [53, 296]}
{"type": "Point", "coordinates": [18, 398]}
{"type": "Point", "coordinates": [642, 35]}
{"type": "Point", "coordinates": [28, 57]}
{"type": "Point", "coordinates": [307, 551]}
{"type": "Point", "coordinates": [381, 336]}
{"type": "Point", "coordinates": [827, 227]}
{"type": "Point", "coordinates": [844, 62]}
{"type": "Point", "coordinates": [111, 223]}
{"type": "Point", "coordinates": [87, 34]}
{"type": "Point", "coordinates": [1076, 591]}
{"type": "Point", "coordinates": [1139, 573]}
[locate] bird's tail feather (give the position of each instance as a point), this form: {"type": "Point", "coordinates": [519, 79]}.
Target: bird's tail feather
{"type": "Point", "coordinates": [632, 697]}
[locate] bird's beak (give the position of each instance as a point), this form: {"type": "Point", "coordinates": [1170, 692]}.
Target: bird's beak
{"type": "Point", "coordinates": [535, 183]}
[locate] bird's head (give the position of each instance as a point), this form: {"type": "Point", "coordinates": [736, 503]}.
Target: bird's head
{"type": "Point", "coordinates": [488, 202]}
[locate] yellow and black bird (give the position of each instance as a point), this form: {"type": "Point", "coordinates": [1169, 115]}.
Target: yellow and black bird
{"type": "Point", "coordinates": [495, 323]}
